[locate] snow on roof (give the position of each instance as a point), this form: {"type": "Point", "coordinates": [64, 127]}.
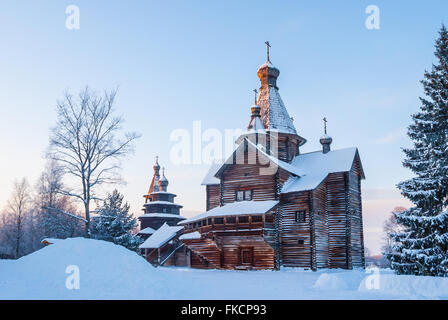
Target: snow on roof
{"type": "Point", "coordinates": [147, 230]}
{"type": "Point", "coordinates": [210, 178]}
{"type": "Point", "coordinates": [315, 166]}
{"type": "Point", "coordinates": [162, 202]}
{"type": "Point", "coordinates": [267, 64]}
{"type": "Point", "coordinates": [282, 164]}
{"type": "Point", "coordinates": [236, 208]}
{"type": "Point", "coordinates": [162, 192]}
{"type": "Point", "coordinates": [164, 234]}
{"type": "Point", "coordinates": [161, 215]}
{"type": "Point", "coordinates": [274, 113]}
{"type": "Point", "coordinates": [190, 236]}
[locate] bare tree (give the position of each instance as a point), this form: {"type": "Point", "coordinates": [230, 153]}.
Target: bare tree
{"type": "Point", "coordinates": [85, 144]}
{"type": "Point", "coordinates": [390, 226]}
{"type": "Point", "coordinates": [17, 209]}
{"type": "Point", "coordinates": [56, 214]}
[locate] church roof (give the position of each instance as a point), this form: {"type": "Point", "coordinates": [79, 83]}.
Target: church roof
{"type": "Point", "coordinates": [190, 236]}
{"type": "Point", "coordinates": [274, 115]}
{"type": "Point", "coordinates": [235, 208]}
{"type": "Point", "coordinates": [316, 166]}
{"type": "Point", "coordinates": [210, 178]}
{"type": "Point", "coordinates": [164, 234]}
{"type": "Point", "coordinates": [258, 148]}
{"type": "Point", "coordinates": [161, 215]}
{"type": "Point", "coordinates": [309, 169]}
{"type": "Point", "coordinates": [147, 230]}
{"type": "Point", "coordinates": [172, 204]}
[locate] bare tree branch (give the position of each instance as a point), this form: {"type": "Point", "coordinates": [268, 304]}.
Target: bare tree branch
{"type": "Point", "coordinates": [86, 145]}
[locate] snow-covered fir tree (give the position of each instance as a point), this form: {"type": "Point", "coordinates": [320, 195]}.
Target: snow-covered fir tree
{"type": "Point", "coordinates": [422, 247]}
{"type": "Point", "coordinates": [114, 223]}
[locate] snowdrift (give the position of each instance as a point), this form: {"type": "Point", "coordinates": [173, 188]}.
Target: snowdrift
{"type": "Point", "coordinates": [412, 286]}
{"type": "Point", "coordinates": [109, 271]}
{"type": "Point", "coordinates": [105, 270]}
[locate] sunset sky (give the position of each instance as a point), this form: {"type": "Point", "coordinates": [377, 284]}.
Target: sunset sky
{"type": "Point", "coordinates": [181, 61]}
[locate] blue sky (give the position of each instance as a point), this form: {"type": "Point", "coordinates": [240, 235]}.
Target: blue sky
{"type": "Point", "coordinates": [181, 61]}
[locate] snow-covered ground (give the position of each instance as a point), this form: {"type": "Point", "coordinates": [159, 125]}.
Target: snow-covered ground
{"type": "Point", "coordinates": [108, 271]}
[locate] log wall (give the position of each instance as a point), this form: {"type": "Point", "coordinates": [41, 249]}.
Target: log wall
{"type": "Point", "coordinates": [231, 244]}
{"type": "Point", "coordinates": [212, 196]}
{"type": "Point", "coordinates": [336, 204]}
{"type": "Point", "coordinates": [320, 226]}
{"type": "Point", "coordinates": [355, 213]}
{"type": "Point", "coordinates": [246, 176]}
{"type": "Point", "coordinates": [293, 253]}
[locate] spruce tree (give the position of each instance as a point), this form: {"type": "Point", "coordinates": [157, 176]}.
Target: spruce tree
{"type": "Point", "coordinates": [422, 246]}
{"type": "Point", "coordinates": [114, 223]}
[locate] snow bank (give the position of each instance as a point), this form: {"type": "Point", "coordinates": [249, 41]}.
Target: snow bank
{"type": "Point", "coordinates": [109, 271]}
{"type": "Point", "coordinates": [105, 270]}
{"type": "Point", "coordinates": [330, 281]}
{"type": "Point", "coordinates": [411, 286]}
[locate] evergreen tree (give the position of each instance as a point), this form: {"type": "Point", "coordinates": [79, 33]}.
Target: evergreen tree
{"type": "Point", "coordinates": [423, 244]}
{"type": "Point", "coordinates": [114, 223]}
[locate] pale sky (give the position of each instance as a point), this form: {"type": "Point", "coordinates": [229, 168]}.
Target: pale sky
{"type": "Point", "coordinates": [183, 61]}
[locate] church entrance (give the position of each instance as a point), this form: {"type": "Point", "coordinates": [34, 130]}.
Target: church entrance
{"type": "Point", "coordinates": [247, 256]}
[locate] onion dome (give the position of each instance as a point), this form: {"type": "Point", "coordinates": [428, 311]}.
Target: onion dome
{"type": "Point", "coordinates": [325, 140]}
{"type": "Point", "coordinates": [268, 74]}
{"type": "Point", "coordinates": [163, 183]}
{"type": "Point", "coordinates": [255, 123]}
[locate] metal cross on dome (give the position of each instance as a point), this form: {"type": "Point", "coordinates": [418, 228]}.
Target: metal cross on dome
{"type": "Point", "coordinates": [325, 125]}
{"type": "Point", "coordinates": [256, 92]}
{"type": "Point", "coordinates": [267, 47]}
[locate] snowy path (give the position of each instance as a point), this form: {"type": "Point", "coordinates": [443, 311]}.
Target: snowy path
{"type": "Point", "coordinates": [107, 271]}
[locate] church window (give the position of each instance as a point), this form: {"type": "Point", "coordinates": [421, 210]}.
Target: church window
{"type": "Point", "coordinates": [301, 216]}
{"type": "Point", "coordinates": [257, 218]}
{"type": "Point", "coordinates": [269, 218]}
{"type": "Point", "coordinates": [219, 220]}
{"type": "Point", "coordinates": [243, 219]}
{"type": "Point", "coordinates": [230, 220]}
{"type": "Point", "coordinates": [243, 195]}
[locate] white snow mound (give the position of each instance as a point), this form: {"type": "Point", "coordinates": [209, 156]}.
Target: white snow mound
{"type": "Point", "coordinates": [415, 287]}
{"type": "Point", "coordinates": [330, 281]}
{"type": "Point", "coordinates": [105, 269]}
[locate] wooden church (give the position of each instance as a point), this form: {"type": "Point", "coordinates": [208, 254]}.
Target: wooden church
{"type": "Point", "coordinates": [270, 206]}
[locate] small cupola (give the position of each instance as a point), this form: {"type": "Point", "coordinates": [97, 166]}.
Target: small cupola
{"type": "Point", "coordinates": [325, 140]}
{"type": "Point", "coordinates": [255, 123]}
{"type": "Point", "coordinates": [156, 175]}
{"type": "Point", "coordinates": [267, 73]}
{"type": "Point", "coordinates": [163, 183]}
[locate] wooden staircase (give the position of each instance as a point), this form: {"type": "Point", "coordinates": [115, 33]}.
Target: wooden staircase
{"type": "Point", "coordinates": [206, 249]}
